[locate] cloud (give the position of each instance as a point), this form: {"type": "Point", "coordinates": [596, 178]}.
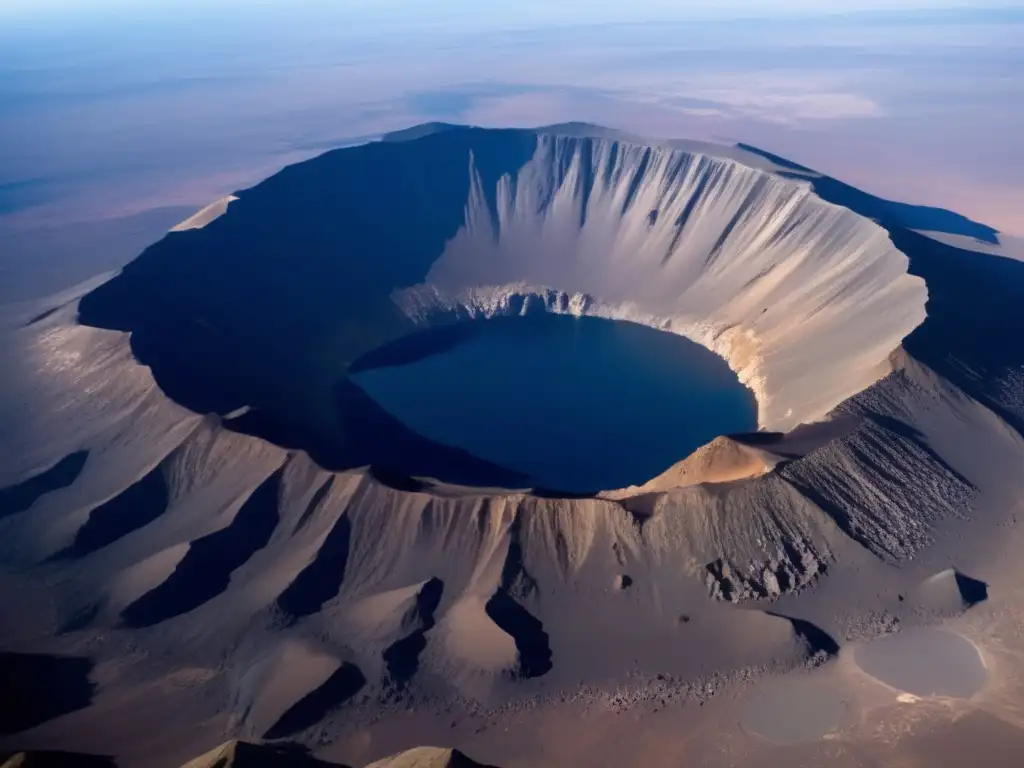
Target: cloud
{"type": "Point", "coordinates": [783, 97]}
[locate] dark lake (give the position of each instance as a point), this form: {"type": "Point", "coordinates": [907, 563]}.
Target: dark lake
{"type": "Point", "coordinates": [576, 404]}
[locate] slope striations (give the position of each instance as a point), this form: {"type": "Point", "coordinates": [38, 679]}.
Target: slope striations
{"type": "Point", "coordinates": [804, 299]}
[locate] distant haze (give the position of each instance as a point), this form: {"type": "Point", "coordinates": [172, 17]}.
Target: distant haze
{"type": "Point", "coordinates": [134, 107]}
{"type": "Point", "coordinates": [526, 11]}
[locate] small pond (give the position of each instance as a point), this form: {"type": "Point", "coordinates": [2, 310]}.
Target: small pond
{"type": "Point", "coordinates": [924, 662]}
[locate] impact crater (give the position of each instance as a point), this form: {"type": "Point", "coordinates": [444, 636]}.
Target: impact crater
{"type": "Point", "coordinates": [281, 298]}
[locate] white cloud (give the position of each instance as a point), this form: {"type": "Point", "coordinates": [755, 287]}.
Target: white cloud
{"type": "Point", "coordinates": [781, 97]}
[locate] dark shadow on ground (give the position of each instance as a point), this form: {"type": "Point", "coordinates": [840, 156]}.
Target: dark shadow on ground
{"type": "Point", "coordinates": [135, 507]}
{"type": "Point", "coordinates": [321, 580]}
{"type": "Point", "coordinates": [402, 657]}
{"type": "Point", "coordinates": [35, 688]}
{"type": "Point", "coordinates": [18, 498]}
{"type": "Point", "coordinates": [972, 591]}
{"type": "Point", "coordinates": [526, 630]}
{"type": "Point", "coordinates": [972, 334]}
{"type": "Point", "coordinates": [339, 688]}
{"type": "Point", "coordinates": [206, 569]}
{"type": "Point", "coordinates": [818, 641]}
{"type": "Point", "coordinates": [505, 610]}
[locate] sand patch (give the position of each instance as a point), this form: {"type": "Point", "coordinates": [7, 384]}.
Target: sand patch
{"type": "Point", "coordinates": [203, 217]}
{"type": "Point", "coordinates": [793, 710]}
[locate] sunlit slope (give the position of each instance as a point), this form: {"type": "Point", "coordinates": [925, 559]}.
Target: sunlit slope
{"type": "Point", "coordinates": [806, 300]}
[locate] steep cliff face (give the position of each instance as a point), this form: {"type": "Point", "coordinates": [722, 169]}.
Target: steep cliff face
{"type": "Point", "coordinates": [806, 300]}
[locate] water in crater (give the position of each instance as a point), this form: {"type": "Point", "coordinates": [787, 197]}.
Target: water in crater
{"type": "Point", "coordinates": [925, 661]}
{"type": "Point", "coordinates": [575, 404]}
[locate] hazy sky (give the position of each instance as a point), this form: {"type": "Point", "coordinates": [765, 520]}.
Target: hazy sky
{"type": "Point", "coordinates": [115, 108]}
{"type": "Point", "coordinates": [520, 10]}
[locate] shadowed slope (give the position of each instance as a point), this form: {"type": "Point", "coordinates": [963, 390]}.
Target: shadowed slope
{"type": "Point", "coordinates": [949, 592]}
{"type": "Point", "coordinates": [37, 688]}
{"type": "Point", "coordinates": [402, 657]}
{"type": "Point", "coordinates": [133, 508]}
{"type": "Point", "coordinates": [532, 645]}
{"type": "Point", "coordinates": [527, 631]}
{"type": "Point", "coordinates": [972, 591]}
{"type": "Point", "coordinates": [974, 326]}
{"type": "Point", "coordinates": [817, 640]}
{"type": "Point", "coordinates": [339, 688]}
{"type": "Point", "coordinates": [321, 580]}
{"type": "Point", "coordinates": [206, 569]}
{"type": "Point", "coordinates": [18, 498]}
